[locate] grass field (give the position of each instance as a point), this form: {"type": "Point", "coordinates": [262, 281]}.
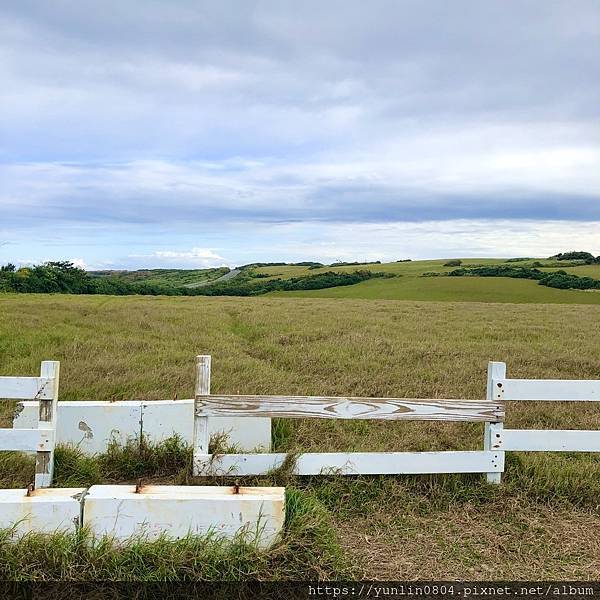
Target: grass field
{"type": "Point", "coordinates": [541, 523]}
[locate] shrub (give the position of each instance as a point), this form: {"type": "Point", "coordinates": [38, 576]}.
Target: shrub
{"type": "Point", "coordinates": [556, 279]}
{"type": "Point", "coordinates": [586, 257]}
{"type": "Point", "coordinates": [455, 262]}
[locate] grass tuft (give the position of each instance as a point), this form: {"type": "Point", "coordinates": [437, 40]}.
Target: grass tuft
{"type": "Point", "coordinates": [170, 458]}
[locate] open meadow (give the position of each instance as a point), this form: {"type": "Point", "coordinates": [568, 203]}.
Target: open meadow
{"type": "Point", "coordinates": [542, 522]}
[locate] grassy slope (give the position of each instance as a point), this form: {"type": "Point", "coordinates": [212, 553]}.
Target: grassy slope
{"type": "Point", "coordinates": [411, 286]}
{"type": "Point", "coordinates": [541, 523]}
{"type": "Point", "coordinates": [174, 277]}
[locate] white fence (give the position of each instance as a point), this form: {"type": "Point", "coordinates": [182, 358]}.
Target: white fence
{"type": "Point", "coordinates": [502, 389]}
{"type": "Point", "coordinates": [497, 440]}
{"type": "Point", "coordinates": [242, 410]}
{"type": "Point", "coordinates": [41, 439]}
{"type": "Point", "coordinates": [488, 460]}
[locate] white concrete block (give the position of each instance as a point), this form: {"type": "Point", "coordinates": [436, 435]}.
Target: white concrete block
{"type": "Point", "coordinates": [91, 424]}
{"type": "Point", "coordinates": [176, 511]}
{"type": "Point", "coordinates": [45, 510]}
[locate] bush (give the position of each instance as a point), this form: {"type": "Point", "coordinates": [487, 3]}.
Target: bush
{"type": "Point", "coordinates": [586, 257]}
{"type": "Point", "coordinates": [556, 279]}
{"type": "Point", "coordinates": [455, 262]}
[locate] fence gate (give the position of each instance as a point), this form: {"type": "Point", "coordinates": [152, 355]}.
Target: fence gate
{"type": "Point", "coordinates": [489, 460]}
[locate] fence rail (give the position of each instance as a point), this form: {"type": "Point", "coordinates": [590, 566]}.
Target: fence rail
{"type": "Point", "coordinates": [327, 407]}
{"type": "Point", "coordinates": [554, 390]}
{"type": "Point", "coordinates": [27, 388]}
{"type": "Point", "coordinates": [504, 389]}
{"type": "Point", "coordinates": [353, 463]}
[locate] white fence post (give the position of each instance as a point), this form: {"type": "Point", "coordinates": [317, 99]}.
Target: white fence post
{"type": "Point", "coordinates": [44, 461]}
{"type": "Point", "coordinates": [201, 435]}
{"type": "Point", "coordinates": [492, 439]}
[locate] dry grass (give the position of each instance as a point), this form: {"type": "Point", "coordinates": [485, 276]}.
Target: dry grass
{"type": "Point", "coordinates": [496, 541]}
{"type": "Point", "coordinates": [123, 348]}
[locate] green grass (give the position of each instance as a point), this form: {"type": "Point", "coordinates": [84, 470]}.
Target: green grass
{"type": "Point", "coordinates": [454, 289]}
{"type": "Point", "coordinates": [410, 285]}
{"type": "Point", "coordinates": [542, 522]}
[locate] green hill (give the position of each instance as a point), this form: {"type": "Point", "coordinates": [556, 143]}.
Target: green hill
{"type": "Point", "coordinates": [411, 285]}
{"type": "Point", "coordinates": [172, 277]}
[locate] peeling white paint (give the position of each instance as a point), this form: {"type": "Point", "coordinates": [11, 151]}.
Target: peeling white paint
{"type": "Point", "coordinates": [90, 425]}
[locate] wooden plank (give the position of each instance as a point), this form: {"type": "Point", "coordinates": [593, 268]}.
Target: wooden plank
{"type": "Point", "coordinates": [551, 440]}
{"type": "Point", "coordinates": [26, 440]}
{"type": "Point", "coordinates": [325, 407]}
{"type": "Point", "coordinates": [354, 463]}
{"type": "Point", "coordinates": [201, 436]}
{"type": "Point", "coordinates": [26, 388]}
{"type": "Point", "coordinates": [547, 389]}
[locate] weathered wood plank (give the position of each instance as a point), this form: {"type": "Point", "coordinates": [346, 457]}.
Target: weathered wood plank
{"type": "Point", "coordinates": [551, 440]}
{"type": "Point", "coordinates": [324, 407]}
{"type": "Point", "coordinates": [26, 440]}
{"type": "Point", "coordinates": [573, 390]}
{"type": "Point", "coordinates": [26, 388]}
{"type": "Point", "coordinates": [354, 463]}
{"type": "Point", "coordinates": [201, 435]}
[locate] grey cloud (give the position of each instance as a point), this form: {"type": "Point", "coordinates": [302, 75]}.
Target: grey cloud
{"type": "Point", "coordinates": [323, 92]}
{"type": "Point", "coordinates": [410, 58]}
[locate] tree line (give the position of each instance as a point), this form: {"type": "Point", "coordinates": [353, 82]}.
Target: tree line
{"type": "Point", "coordinates": [554, 279]}
{"type": "Point", "coordinates": [63, 277]}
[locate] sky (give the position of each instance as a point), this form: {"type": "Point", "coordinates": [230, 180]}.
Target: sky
{"type": "Point", "coordinates": [189, 134]}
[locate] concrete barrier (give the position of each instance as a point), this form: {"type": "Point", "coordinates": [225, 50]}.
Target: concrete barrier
{"type": "Point", "coordinates": [91, 424]}
{"type": "Point", "coordinates": [119, 511]}
{"type": "Point", "coordinates": [45, 510]}
{"type": "Point", "coordinates": [124, 511]}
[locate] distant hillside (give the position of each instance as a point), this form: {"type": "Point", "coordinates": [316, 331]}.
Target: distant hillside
{"type": "Point", "coordinates": [172, 277]}
{"type": "Point", "coordinates": [564, 278]}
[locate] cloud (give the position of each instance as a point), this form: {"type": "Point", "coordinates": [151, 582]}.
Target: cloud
{"type": "Point", "coordinates": [187, 118]}
{"type": "Point", "coordinates": [196, 257]}
{"type": "Point", "coordinates": [28, 262]}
